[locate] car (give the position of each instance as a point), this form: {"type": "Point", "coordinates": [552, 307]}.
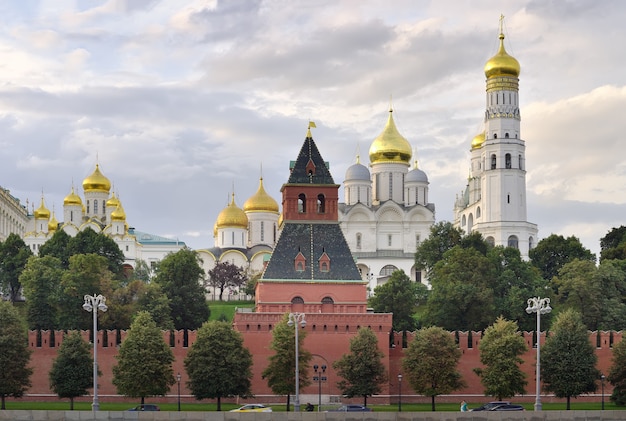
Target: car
{"type": "Point", "coordinates": [499, 406]}
{"type": "Point", "coordinates": [145, 407]}
{"type": "Point", "coordinates": [353, 408]}
{"type": "Point", "coordinates": [253, 407]}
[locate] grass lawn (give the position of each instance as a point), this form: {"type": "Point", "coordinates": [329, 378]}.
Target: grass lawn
{"type": "Point", "coordinates": [225, 310]}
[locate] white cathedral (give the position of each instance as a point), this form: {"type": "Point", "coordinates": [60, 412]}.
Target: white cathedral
{"type": "Point", "coordinates": [384, 217]}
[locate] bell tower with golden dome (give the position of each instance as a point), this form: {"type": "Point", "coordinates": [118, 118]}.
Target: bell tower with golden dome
{"type": "Point", "coordinates": [494, 200]}
{"type": "Point", "coordinates": [97, 188]}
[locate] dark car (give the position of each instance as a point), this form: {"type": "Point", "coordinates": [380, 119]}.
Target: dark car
{"type": "Point", "coordinates": [145, 407]}
{"type": "Point", "coordinates": [499, 406]}
{"type": "Point", "coordinates": [353, 408]}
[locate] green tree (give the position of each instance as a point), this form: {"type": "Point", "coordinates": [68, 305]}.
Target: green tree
{"type": "Point", "coordinates": [90, 242]}
{"type": "Point", "coordinates": [13, 256]}
{"type": "Point", "coordinates": [226, 275]}
{"type": "Point", "coordinates": [154, 301]}
{"type": "Point", "coordinates": [553, 252]}
{"type": "Point", "coordinates": [617, 374]}
{"type": "Point", "coordinates": [41, 282]}
{"type": "Point", "coordinates": [72, 371]}
{"type": "Point", "coordinates": [430, 363]}
{"type": "Point", "coordinates": [218, 365]}
{"type": "Point", "coordinates": [14, 354]}
{"type": "Point", "coordinates": [568, 359]}
{"type": "Point", "coordinates": [461, 297]}
{"type": "Point", "coordinates": [613, 244]}
{"type": "Point", "coordinates": [362, 370]}
{"type": "Point", "coordinates": [142, 271]}
{"type": "Point", "coordinates": [500, 351]}
{"type": "Point", "coordinates": [144, 361]}
{"type": "Point", "coordinates": [57, 246]}
{"type": "Point", "coordinates": [281, 370]}
{"type": "Point", "coordinates": [443, 237]}
{"type": "Point", "coordinates": [180, 277]}
{"type": "Point", "coordinates": [400, 296]}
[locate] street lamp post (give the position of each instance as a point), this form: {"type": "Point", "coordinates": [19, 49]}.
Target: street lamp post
{"type": "Point", "coordinates": [294, 319]}
{"type": "Point", "coordinates": [602, 382]}
{"type": "Point", "coordinates": [178, 380]}
{"type": "Point", "coordinates": [93, 303]}
{"type": "Point", "coordinates": [539, 306]}
{"type": "Point", "coordinates": [399, 392]}
{"type": "Point", "coordinates": [319, 376]}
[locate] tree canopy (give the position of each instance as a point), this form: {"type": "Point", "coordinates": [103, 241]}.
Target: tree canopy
{"type": "Point", "coordinates": [362, 370]}
{"type": "Point", "coordinates": [14, 354]}
{"type": "Point", "coordinates": [226, 275]}
{"type": "Point", "coordinates": [72, 370]}
{"type": "Point", "coordinates": [443, 237]}
{"type": "Point", "coordinates": [617, 374]}
{"type": "Point", "coordinates": [400, 296]}
{"type": "Point", "coordinates": [41, 280]}
{"type": "Point", "coordinates": [13, 256]}
{"type": "Point", "coordinates": [553, 252]}
{"type": "Point", "coordinates": [218, 365]}
{"type": "Point", "coordinates": [430, 363]}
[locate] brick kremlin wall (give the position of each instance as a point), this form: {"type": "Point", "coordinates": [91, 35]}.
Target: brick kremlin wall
{"type": "Point", "coordinates": [43, 353]}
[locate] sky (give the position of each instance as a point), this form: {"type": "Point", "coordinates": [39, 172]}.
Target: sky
{"type": "Point", "coordinates": [183, 102]}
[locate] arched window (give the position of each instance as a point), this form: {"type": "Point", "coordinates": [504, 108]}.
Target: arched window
{"type": "Point", "coordinates": [328, 300]}
{"type": "Point", "coordinates": [300, 266]}
{"type": "Point", "coordinates": [513, 242]}
{"type": "Point", "coordinates": [358, 241]}
{"type": "Point", "coordinates": [507, 161]}
{"type": "Point", "coordinates": [490, 241]}
{"type": "Point", "coordinates": [531, 243]}
{"type": "Point", "coordinates": [463, 221]}
{"type": "Point", "coordinates": [506, 135]}
{"type": "Point", "coordinates": [302, 203]}
{"type": "Point", "coordinates": [478, 212]}
{"type": "Point", "coordinates": [321, 203]}
{"type": "Point", "coordinates": [387, 270]}
{"type": "Point", "coordinates": [493, 162]}
{"type": "Point", "coordinates": [495, 135]}
{"type": "Point", "coordinates": [297, 300]}
{"type": "Point", "coordinates": [95, 207]}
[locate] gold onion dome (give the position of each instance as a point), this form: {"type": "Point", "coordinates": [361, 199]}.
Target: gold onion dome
{"type": "Point", "coordinates": [118, 214]}
{"type": "Point", "coordinates": [502, 64]}
{"type": "Point", "coordinates": [113, 201]}
{"type": "Point", "coordinates": [53, 224]}
{"type": "Point", "coordinates": [42, 212]}
{"type": "Point", "coordinates": [260, 201]}
{"type": "Point", "coordinates": [390, 145]}
{"type": "Point", "coordinates": [96, 182]}
{"type": "Point", "coordinates": [232, 216]}
{"type": "Point", "coordinates": [478, 140]}
{"type": "Point", "coordinates": [72, 199]}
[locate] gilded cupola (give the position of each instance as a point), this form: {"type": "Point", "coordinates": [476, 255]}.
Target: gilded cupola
{"type": "Point", "coordinates": [232, 216]}
{"type": "Point", "coordinates": [390, 145]}
{"type": "Point", "coordinates": [96, 182]}
{"type": "Point", "coordinates": [53, 224]}
{"type": "Point", "coordinates": [502, 64]}
{"type": "Point", "coordinates": [478, 140]}
{"type": "Point", "coordinates": [260, 201]}
{"type": "Point", "coordinates": [118, 214]}
{"type": "Point", "coordinates": [113, 201]}
{"type": "Point", "coordinates": [72, 199]}
{"type": "Point", "coordinates": [42, 212]}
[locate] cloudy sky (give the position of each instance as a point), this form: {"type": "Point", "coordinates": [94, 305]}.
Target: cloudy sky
{"type": "Point", "coordinates": [182, 101]}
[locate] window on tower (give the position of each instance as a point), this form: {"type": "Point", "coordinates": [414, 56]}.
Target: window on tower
{"type": "Point", "coordinates": [358, 241]}
{"type": "Point", "coordinates": [507, 161]}
{"type": "Point", "coordinates": [513, 242]}
{"type": "Point", "coordinates": [321, 203]}
{"type": "Point", "coordinates": [88, 207]}
{"type": "Point", "coordinates": [302, 203]}
{"type": "Point", "coordinates": [493, 162]}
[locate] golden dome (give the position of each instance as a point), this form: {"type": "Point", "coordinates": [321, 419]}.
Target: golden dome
{"type": "Point", "coordinates": [478, 140]}
{"type": "Point", "coordinates": [113, 201]}
{"type": "Point", "coordinates": [232, 216]}
{"type": "Point", "coordinates": [53, 224]}
{"type": "Point", "coordinates": [390, 145]}
{"type": "Point", "coordinates": [260, 201]}
{"type": "Point", "coordinates": [502, 64]}
{"type": "Point", "coordinates": [118, 214]}
{"type": "Point", "coordinates": [72, 199]}
{"type": "Point", "coordinates": [96, 182]}
{"type": "Point", "coordinates": [42, 212]}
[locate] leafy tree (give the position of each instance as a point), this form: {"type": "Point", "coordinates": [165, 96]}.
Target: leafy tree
{"type": "Point", "coordinates": [461, 296]}
{"type": "Point", "coordinates": [57, 246]}
{"type": "Point", "coordinates": [617, 374]}
{"type": "Point", "coordinates": [430, 363]}
{"type": "Point", "coordinates": [13, 256]}
{"type": "Point", "coordinates": [500, 351]}
{"type": "Point", "coordinates": [225, 275]}
{"type": "Point", "coordinates": [400, 296]}
{"type": "Point", "coordinates": [14, 354]}
{"type": "Point", "coordinates": [90, 242]}
{"type": "Point", "coordinates": [568, 358]}
{"type": "Point", "coordinates": [218, 365]}
{"type": "Point", "coordinates": [250, 288]}
{"type": "Point", "coordinates": [154, 301]}
{"type": "Point", "coordinates": [443, 237]}
{"type": "Point", "coordinates": [280, 373]}
{"type": "Point", "coordinates": [144, 361]}
{"type": "Point", "coordinates": [613, 244]}
{"type": "Point", "coordinates": [142, 271]}
{"type": "Point", "coordinates": [72, 371]}
{"type": "Point", "coordinates": [553, 252]}
{"type": "Point", "coordinates": [41, 281]}
{"type": "Point", "coordinates": [88, 274]}
{"type": "Point", "coordinates": [180, 277]}
{"type": "Point", "coordinates": [362, 370]}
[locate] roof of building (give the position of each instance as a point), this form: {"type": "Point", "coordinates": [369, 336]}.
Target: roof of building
{"type": "Point", "coordinates": [145, 238]}
{"type": "Point", "coordinates": [310, 155]}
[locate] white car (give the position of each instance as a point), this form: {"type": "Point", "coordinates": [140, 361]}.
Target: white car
{"type": "Point", "coordinates": [253, 407]}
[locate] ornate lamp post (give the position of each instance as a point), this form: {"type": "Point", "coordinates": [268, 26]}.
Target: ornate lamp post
{"type": "Point", "coordinates": [178, 380]}
{"type": "Point", "coordinates": [294, 319]}
{"type": "Point", "coordinates": [93, 304]}
{"type": "Point", "coordinates": [602, 377]}
{"type": "Point", "coordinates": [539, 306]}
{"type": "Point", "coordinates": [399, 392]}
{"type": "Point", "coordinates": [319, 377]}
